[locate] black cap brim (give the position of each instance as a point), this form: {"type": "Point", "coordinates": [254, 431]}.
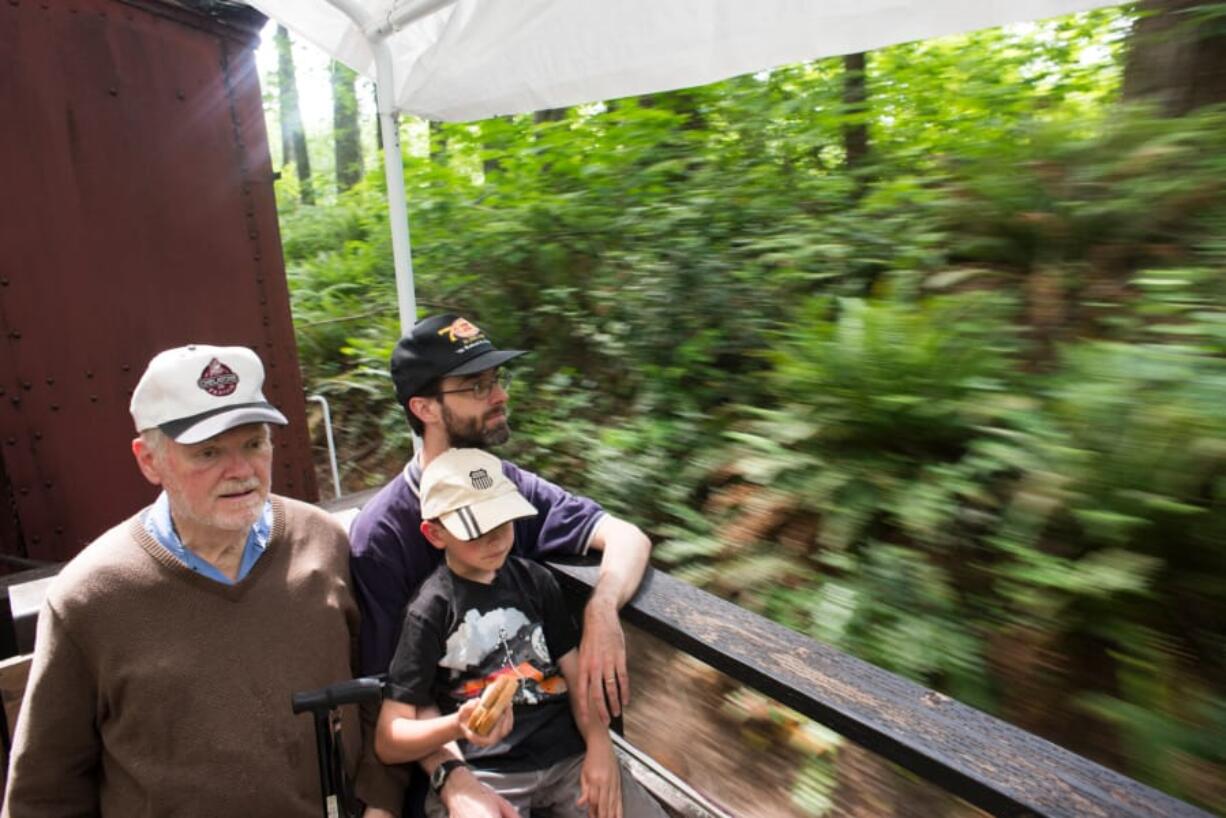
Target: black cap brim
{"type": "Point", "coordinates": [484, 361]}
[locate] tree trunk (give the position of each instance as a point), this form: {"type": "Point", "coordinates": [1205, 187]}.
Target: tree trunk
{"type": "Point", "coordinates": [378, 124]}
{"type": "Point", "coordinates": [494, 164]}
{"type": "Point", "coordinates": [1177, 55]}
{"type": "Point", "coordinates": [855, 99]}
{"type": "Point", "coordinates": [548, 115]}
{"type": "Point", "coordinates": [347, 135]}
{"type": "Point", "coordinates": [292, 134]}
{"type": "Point", "coordinates": [438, 141]}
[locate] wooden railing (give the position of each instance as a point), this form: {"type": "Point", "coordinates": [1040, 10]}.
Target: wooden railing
{"type": "Point", "coordinates": [995, 766]}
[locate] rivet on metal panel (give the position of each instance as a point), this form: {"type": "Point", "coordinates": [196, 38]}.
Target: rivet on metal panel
{"type": "Point", "coordinates": [4, 282]}
{"type": "Point", "coordinates": [24, 491]}
{"type": "Point", "coordinates": [26, 385]}
{"type": "Point", "coordinates": [12, 441]}
{"type": "Point", "coordinates": [36, 539]}
{"type": "Point", "coordinates": [15, 335]}
{"type": "Point", "coordinates": [55, 407]}
{"type": "Point", "coordinates": [113, 91]}
{"type": "Point", "coordinates": [1, 391]}
{"type": "Point", "coordinates": [16, 399]}
{"type": "Point", "coordinates": [89, 373]}
{"type": "Point", "coordinates": [47, 484]}
{"type": "Point", "coordinates": [126, 368]}
{"type": "Point", "coordinates": [180, 95]}
{"type": "Point", "coordinates": [93, 398]}
{"type": "Point", "coordinates": [256, 255]}
{"type": "Point", "coordinates": [38, 435]}
{"type": "Point", "coordinates": [59, 529]}
{"type": "Point", "coordinates": [50, 381]}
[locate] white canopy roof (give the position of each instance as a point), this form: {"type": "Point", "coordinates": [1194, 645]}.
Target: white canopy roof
{"type": "Point", "coordinates": [458, 60]}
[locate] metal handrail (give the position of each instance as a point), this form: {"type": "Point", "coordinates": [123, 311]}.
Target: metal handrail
{"type": "Point", "coordinates": [336, 475]}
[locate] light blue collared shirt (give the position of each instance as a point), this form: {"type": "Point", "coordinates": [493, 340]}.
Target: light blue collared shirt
{"type": "Point", "coordinates": [160, 526]}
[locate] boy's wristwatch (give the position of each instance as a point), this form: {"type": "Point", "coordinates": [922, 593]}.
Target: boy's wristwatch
{"type": "Point", "coordinates": [439, 777]}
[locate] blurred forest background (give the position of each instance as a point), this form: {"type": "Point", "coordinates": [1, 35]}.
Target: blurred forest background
{"type": "Point", "coordinates": [921, 352]}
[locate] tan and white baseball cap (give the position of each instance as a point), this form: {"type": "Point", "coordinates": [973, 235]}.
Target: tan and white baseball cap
{"type": "Point", "coordinates": [195, 392]}
{"type": "Point", "coordinates": [467, 492]}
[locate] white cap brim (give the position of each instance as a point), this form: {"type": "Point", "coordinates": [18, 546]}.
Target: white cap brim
{"type": "Point", "coordinates": [472, 521]}
{"type": "Point", "coordinates": [215, 424]}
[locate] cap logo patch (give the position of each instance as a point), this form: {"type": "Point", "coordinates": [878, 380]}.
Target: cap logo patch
{"type": "Point", "coordinates": [218, 379]}
{"type": "Point", "coordinates": [462, 330]}
{"type": "Point", "coordinates": [481, 479]}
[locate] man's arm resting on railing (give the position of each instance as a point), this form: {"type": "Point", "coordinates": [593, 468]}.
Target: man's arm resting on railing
{"type": "Point", "coordinates": [602, 651]}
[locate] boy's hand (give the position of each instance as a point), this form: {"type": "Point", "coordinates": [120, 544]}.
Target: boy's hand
{"type": "Point", "coordinates": [497, 734]}
{"type": "Point", "coordinates": [600, 779]}
{"type": "Point", "coordinates": [466, 797]}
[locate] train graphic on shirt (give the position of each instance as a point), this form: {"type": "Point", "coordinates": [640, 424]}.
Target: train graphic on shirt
{"type": "Point", "coordinates": [500, 642]}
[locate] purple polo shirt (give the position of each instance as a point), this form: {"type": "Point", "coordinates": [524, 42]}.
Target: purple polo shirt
{"type": "Point", "coordinates": [389, 557]}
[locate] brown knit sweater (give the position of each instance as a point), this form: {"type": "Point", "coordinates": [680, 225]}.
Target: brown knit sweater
{"type": "Point", "coordinates": [156, 692]}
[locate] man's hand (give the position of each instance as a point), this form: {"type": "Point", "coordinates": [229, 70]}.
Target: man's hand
{"type": "Point", "coordinates": [602, 663]}
{"type": "Point", "coordinates": [604, 684]}
{"type": "Point", "coordinates": [497, 734]}
{"type": "Point", "coordinates": [466, 797]}
{"type": "Point", "coordinates": [600, 780]}
{"type": "Point", "coordinates": [375, 812]}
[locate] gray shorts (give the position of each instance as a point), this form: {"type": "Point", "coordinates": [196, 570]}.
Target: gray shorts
{"type": "Point", "coordinates": [552, 793]}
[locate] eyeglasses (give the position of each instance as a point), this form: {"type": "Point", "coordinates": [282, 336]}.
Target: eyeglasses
{"type": "Point", "coordinates": [481, 389]}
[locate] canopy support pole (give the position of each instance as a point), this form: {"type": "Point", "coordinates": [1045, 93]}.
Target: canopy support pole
{"type": "Point", "coordinates": [393, 169]}
{"type": "Point", "coordinates": [393, 164]}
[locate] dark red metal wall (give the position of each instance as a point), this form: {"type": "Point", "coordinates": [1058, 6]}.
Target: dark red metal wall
{"type": "Point", "coordinates": [136, 214]}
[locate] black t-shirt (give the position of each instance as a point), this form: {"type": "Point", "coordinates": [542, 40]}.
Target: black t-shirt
{"type": "Point", "coordinates": [460, 635]}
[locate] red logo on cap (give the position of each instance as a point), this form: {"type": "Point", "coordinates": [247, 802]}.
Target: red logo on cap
{"type": "Point", "coordinates": [218, 379]}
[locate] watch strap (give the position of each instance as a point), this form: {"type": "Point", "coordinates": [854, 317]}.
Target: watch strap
{"type": "Point", "coordinates": [443, 771]}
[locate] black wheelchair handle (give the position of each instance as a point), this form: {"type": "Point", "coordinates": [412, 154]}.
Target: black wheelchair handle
{"type": "Point", "coordinates": [353, 691]}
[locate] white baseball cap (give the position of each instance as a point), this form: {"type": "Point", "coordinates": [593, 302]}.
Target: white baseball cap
{"type": "Point", "coordinates": [195, 392]}
{"type": "Point", "coordinates": [467, 492]}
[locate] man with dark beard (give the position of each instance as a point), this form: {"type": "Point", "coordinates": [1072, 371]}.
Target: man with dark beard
{"type": "Point", "coordinates": [451, 382]}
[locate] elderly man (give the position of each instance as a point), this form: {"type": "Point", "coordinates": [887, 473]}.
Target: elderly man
{"type": "Point", "coordinates": [450, 381]}
{"type": "Point", "coordinates": [167, 650]}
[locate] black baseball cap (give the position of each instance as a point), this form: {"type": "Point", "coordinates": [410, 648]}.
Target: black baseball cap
{"type": "Point", "coordinates": [442, 345]}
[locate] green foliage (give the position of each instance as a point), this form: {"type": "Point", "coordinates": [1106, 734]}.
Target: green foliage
{"type": "Point", "coordinates": [969, 390]}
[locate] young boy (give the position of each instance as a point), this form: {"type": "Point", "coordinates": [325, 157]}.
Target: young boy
{"type": "Point", "coordinates": [480, 615]}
